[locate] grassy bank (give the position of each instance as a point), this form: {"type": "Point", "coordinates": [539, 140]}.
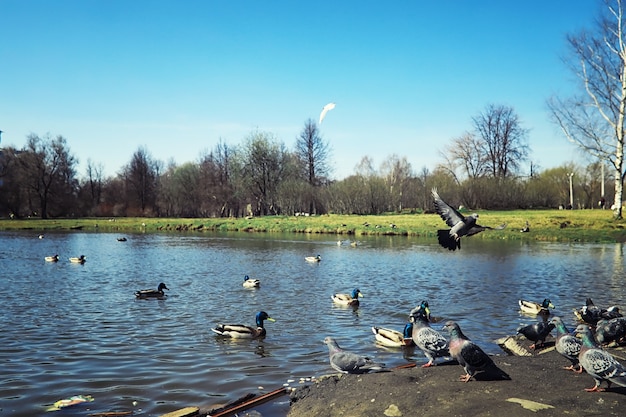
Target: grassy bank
{"type": "Point", "coordinates": [546, 225]}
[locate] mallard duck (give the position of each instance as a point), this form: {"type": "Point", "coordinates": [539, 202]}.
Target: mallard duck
{"type": "Point", "coordinates": [531, 307]}
{"type": "Point", "coordinates": [348, 299]}
{"type": "Point", "coordinates": [152, 293]}
{"type": "Point", "coordinates": [240, 331]}
{"type": "Point", "coordinates": [313, 258]}
{"type": "Point", "coordinates": [394, 338]}
{"type": "Point", "coordinates": [79, 260]}
{"type": "Point", "coordinates": [251, 283]}
{"type": "Point", "coordinates": [54, 258]}
{"type": "Point", "coordinates": [121, 239]}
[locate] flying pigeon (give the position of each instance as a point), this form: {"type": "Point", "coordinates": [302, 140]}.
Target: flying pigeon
{"type": "Point", "coordinates": [567, 344]}
{"type": "Point", "coordinates": [429, 340]}
{"type": "Point", "coordinates": [536, 333]}
{"type": "Point", "coordinates": [347, 362]}
{"type": "Point", "coordinates": [601, 365]}
{"type": "Point", "coordinates": [470, 356]}
{"type": "Point", "coordinates": [325, 110]}
{"type": "Point", "coordinates": [459, 224]}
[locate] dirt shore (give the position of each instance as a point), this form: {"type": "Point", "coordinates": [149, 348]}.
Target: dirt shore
{"type": "Point", "coordinates": [538, 386]}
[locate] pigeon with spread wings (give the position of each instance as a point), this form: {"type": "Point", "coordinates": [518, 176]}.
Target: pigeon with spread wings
{"type": "Point", "coordinates": [459, 224]}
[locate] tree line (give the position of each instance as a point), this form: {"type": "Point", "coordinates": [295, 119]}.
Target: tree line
{"type": "Point", "coordinates": [483, 168]}
{"type": "Point", "coordinates": [480, 169]}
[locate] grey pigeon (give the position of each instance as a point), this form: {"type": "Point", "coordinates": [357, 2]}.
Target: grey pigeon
{"type": "Point", "coordinates": [429, 340]}
{"type": "Point", "coordinates": [470, 356]}
{"type": "Point", "coordinates": [567, 344]}
{"type": "Point", "coordinates": [347, 362]}
{"type": "Point", "coordinates": [459, 224]}
{"type": "Point", "coordinates": [536, 333]}
{"type": "Point", "coordinates": [608, 331]}
{"type": "Point", "coordinates": [601, 365]}
{"type": "Point", "coordinates": [611, 313]}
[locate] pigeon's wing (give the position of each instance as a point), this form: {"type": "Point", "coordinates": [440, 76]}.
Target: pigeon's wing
{"type": "Point", "coordinates": [352, 363]}
{"type": "Point", "coordinates": [447, 212]}
{"type": "Point", "coordinates": [478, 228]}
{"type": "Point", "coordinates": [475, 358]}
{"type": "Point", "coordinates": [432, 341]}
{"type": "Point", "coordinates": [602, 366]}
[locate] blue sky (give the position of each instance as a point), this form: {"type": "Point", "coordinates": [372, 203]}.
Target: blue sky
{"type": "Point", "coordinates": [179, 76]}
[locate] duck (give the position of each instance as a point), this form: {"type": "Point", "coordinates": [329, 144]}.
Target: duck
{"type": "Point", "coordinates": [531, 307]}
{"type": "Point", "coordinates": [152, 293]}
{"type": "Point", "coordinates": [394, 338]}
{"type": "Point", "coordinates": [316, 258]}
{"type": "Point", "coordinates": [121, 239]}
{"type": "Point", "coordinates": [240, 331]}
{"type": "Point", "coordinates": [54, 258]}
{"type": "Point", "coordinates": [251, 283]}
{"type": "Point", "coordinates": [78, 260]}
{"type": "Point", "coordinates": [567, 344]}
{"type": "Point", "coordinates": [348, 299]}
{"type": "Point", "coordinates": [421, 309]}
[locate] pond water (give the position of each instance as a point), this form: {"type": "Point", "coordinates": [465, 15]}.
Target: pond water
{"type": "Point", "coordinates": [71, 329]}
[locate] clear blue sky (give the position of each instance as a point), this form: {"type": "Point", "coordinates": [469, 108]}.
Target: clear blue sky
{"type": "Point", "coordinates": [178, 76]}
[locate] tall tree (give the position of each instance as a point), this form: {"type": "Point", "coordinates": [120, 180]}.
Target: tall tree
{"type": "Point", "coordinates": [594, 120]}
{"type": "Point", "coordinates": [313, 154]}
{"type": "Point", "coordinates": [48, 170]}
{"type": "Point", "coordinates": [141, 176]}
{"type": "Point", "coordinates": [503, 141]}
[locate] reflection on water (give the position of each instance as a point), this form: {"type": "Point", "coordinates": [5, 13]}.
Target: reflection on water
{"type": "Point", "coordinates": [77, 329]}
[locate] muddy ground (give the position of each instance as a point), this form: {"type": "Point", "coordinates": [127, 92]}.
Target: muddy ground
{"type": "Point", "coordinates": [437, 391]}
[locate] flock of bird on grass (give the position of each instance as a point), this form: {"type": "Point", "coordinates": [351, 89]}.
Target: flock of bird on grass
{"type": "Point", "coordinates": [582, 348]}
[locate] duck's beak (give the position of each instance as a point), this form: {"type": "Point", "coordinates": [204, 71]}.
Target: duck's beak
{"type": "Point", "coordinates": [270, 319]}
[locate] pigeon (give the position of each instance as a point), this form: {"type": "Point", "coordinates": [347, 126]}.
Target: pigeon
{"type": "Point", "coordinates": [429, 340]}
{"type": "Point", "coordinates": [423, 306]}
{"type": "Point", "coordinates": [347, 362]}
{"type": "Point", "coordinates": [470, 356]}
{"type": "Point", "coordinates": [460, 225]}
{"type": "Point", "coordinates": [611, 313]}
{"type": "Point", "coordinates": [536, 332]}
{"type": "Point", "coordinates": [601, 365]}
{"type": "Point", "coordinates": [567, 344]}
{"type": "Point", "coordinates": [612, 330]}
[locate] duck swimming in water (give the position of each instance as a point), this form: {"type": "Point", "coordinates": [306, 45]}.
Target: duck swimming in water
{"type": "Point", "coordinates": [251, 283]}
{"type": "Point", "coordinates": [240, 331]}
{"type": "Point", "coordinates": [54, 258]}
{"type": "Point", "coordinates": [348, 299]}
{"type": "Point", "coordinates": [152, 293]}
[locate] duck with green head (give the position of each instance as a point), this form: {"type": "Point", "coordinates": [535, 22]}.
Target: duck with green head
{"type": "Point", "coordinates": [241, 331]}
{"type": "Point", "coordinates": [351, 300]}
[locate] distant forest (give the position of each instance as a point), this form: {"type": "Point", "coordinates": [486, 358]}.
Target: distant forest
{"type": "Point", "coordinates": [481, 169]}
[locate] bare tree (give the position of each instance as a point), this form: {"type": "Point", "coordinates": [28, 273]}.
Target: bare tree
{"type": "Point", "coordinates": [503, 141]}
{"type": "Point", "coordinates": [313, 154]}
{"type": "Point", "coordinates": [48, 170]}
{"type": "Point", "coordinates": [396, 172]}
{"type": "Point", "coordinates": [466, 152]}
{"type": "Point", "coordinates": [595, 120]}
{"type": "Point", "coordinates": [141, 176]}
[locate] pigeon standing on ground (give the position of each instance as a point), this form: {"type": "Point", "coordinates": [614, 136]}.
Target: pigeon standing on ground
{"type": "Point", "coordinates": [567, 344]}
{"type": "Point", "coordinates": [459, 224]}
{"type": "Point", "coordinates": [347, 362]}
{"type": "Point", "coordinates": [470, 356]}
{"type": "Point", "coordinates": [601, 365]}
{"type": "Point", "coordinates": [536, 333]}
{"type": "Point", "coordinates": [429, 340]}
{"type": "Point", "coordinates": [613, 330]}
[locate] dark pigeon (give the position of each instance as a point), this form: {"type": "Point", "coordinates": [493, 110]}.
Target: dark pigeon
{"type": "Point", "coordinates": [536, 333]}
{"type": "Point", "coordinates": [459, 224]}
{"type": "Point", "coordinates": [598, 363]}
{"type": "Point", "coordinates": [470, 356]}
{"type": "Point", "coordinates": [608, 331]}
{"type": "Point", "coordinates": [567, 344]}
{"type": "Point", "coordinates": [590, 313]}
{"type": "Point", "coordinates": [347, 362]}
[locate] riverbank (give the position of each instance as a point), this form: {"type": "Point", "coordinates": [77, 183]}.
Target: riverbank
{"type": "Point", "coordinates": [538, 386]}
{"type": "Point", "coordinates": [539, 225]}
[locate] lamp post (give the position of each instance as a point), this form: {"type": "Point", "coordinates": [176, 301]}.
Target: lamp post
{"type": "Point", "coordinates": [571, 191]}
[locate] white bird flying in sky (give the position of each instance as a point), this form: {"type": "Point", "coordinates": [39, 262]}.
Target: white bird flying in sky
{"type": "Point", "coordinates": [325, 110]}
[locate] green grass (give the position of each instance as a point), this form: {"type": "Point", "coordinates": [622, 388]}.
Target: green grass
{"type": "Point", "coordinates": [545, 225]}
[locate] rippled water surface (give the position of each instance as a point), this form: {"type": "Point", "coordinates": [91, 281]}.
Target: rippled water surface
{"type": "Point", "coordinates": [73, 329]}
